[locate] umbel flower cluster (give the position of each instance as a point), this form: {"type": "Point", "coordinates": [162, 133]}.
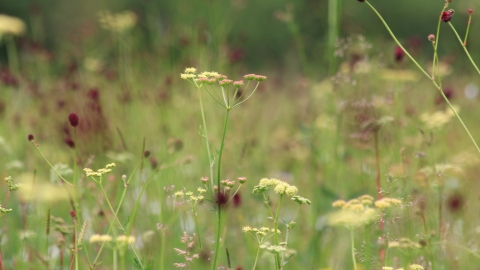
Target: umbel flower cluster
{"type": "Point", "coordinates": [360, 211]}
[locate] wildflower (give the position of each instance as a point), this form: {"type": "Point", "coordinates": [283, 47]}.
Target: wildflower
{"type": "Point", "coordinates": [123, 239]}
{"type": "Point", "coordinates": [178, 194]}
{"type": "Point", "coordinates": [382, 204]}
{"type": "Point", "coordinates": [201, 190]}
{"type": "Point", "coordinates": [291, 191]}
{"type": "Point", "coordinates": [339, 203]}
{"type": "Point", "coordinates": [100, 238]}
{"type": "Point", "coordinates": [11, 25]}
{"type": "Point", "coordinates": [190, 70]}
{"type": "Point", "coordinates": [415, 267]}
{"type": "Point", "coordinates": [242, 180]}
{"type": "Point", "coordinates": [73, 213]}
{"type": "Point", "coordinates": [237, 200]}
{"type": "Point", "coordinates": [110, 165]}
{"type": "Point", "coordinates": [399, 54]}
{"type": "Point", "coordinates": [4, 211]}
{"type": "Point", "coordinates": [260, 78]}
{"type": "Point", "coordinates": [388, 268]}
{"type": "Point", "coordinates": [31, 137]}
{"type": "Point", "coordinates": [352, 219]}
{"type": "Point", "coordinates": [361, 1]}
{"type": "Point", "coordinates": [247, 229]}
{"type": "Point", "coordinates": [250, 77]}
{"type": "Point", "coordinates": [470, 11]}
{"type": "Point", "coordinates": [204, 180]}
{"type": "Point", "coordinates": [187, 76]}
{"type": "Point", "coordinates": [455, 202]}
{"type": "Point", "coordinates": [73, 118]}
{"type": "Point", "coordinates": [301, 200]}
{"type": "Point", "coordinates": [238, 84]}
{"type": "Point", "coordinates": [281, 188]}
{"type": "Point", "coordinates": [446, 16]}
{"type": "Point", "coordinates": [431, 37]}
{"type": "Point", "coordinates": [222, 198]}
{"type": "Point", "coordinates": [226, 82]}
{"type": "Point", "coordinates": [69, 142]}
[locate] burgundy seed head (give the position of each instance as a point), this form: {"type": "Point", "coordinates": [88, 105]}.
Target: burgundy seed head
{"type": "Point", "coordinates": [73, 214]}
{"type": "Point", "coordinates": [361, 0]}
{"type": "Point", "coordinates": [455, 202]}
{"type": "Point", "coordinates": [31, 137]}
{"type": "Point", "coordinates": [399, 54]}
{"type": "Point", "coordinates": [70, 142]}
{"type": "Point", "coordinates": [446, 16]}
{"type": "Point", "coordinates": [146, 154]}
{"type": "Point", "coordinates": [470, 11]}
{"type": "Point", "coordinates": [93, 94]}
{"type": "Point", "coordinates": [237, 200]}
{"type": "Point", "coordinates": [222, 199]}
{"type": "Point", "coordinates": [73, 118]}
{"type": "Point", "coordinates": [153, 163]}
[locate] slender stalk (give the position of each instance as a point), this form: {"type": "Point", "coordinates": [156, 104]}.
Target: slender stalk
{"type": "Point", "coordinates": [219, 210]}
{"type": "Point", "coordinates": [210, 165]}
{"type": "Point", "coordinates": [196, 226]}
{"type": "Point", "coordinates": [115, 266]}
{"type": "Point", "coordinates": [275, 224]}
{"type": "Point", "coordinates": [435, 46]}
{"type": "Point", "coordinates": [426, 74]}
{"type": "Point", "coordinates": [468, 29]}
{"type": "Point", "coordinates": [12, 55]}
{"type": "Point", "coordinates": [49, 164]}
{"type": "Point", "coordinates": [352, 240]}
{"type": "Point", "coordinates": [256, 259]}
{"type": "Point", "coordinates": [464, 47]}
{"type": "Point", "coordinates": [120, 224]}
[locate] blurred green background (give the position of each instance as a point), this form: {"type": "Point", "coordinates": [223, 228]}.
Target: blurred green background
{"type": "Point", "coordinates": [240, 31]}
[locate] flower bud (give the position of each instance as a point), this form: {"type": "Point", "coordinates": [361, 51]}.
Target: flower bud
{"type": "Point", "coordinates": [73, 118]}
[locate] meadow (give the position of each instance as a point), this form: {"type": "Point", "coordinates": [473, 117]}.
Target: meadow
{"type": "Point", "coordinates": [122, 148]}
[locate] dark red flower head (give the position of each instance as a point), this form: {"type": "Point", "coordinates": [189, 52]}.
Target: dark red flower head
{"type": "Point", "coordinates": [361, 0]}
{"type": "Point", "coordinates": [73, 118]}
{"type": "Point", "coordinates": [446, 16]}
{"type": "Point", "coordinates": [222, 199]}
{"type": "Point", "coordinates": [73, 214]}
{"type": "Point", "coordinates": [31, 137]}
{"type": "Point", "coordinates": [470, 11]}
{"type": "Point", "coordinates": [399, 54]}
{"type": "Point", "coordinates": [70, 142]}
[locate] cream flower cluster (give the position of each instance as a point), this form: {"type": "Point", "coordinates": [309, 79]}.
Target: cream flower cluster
{"type": "Point", "coordinates": [89, 172]}
{"type": "Point", "coordinates": [280, 187]}
{"type": "Point", "coordinates": [11, 25]}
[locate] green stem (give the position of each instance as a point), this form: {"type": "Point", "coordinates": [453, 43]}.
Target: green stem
{"type": "Point", "coordinates": [435, 46]}
{"type": "Point", "coordinates": [219, 210]}
{"type": "Point", "coordinates": [12, 55]}
{"type": "Point", "coordinates": [115, 266]}
{"type": "Point", "coordinates": [333, 29]}
{"type": "Point", "coordinates": [275, 224]}
{"type": "Point", "coordinates": [426, 74]}
{"type": "Point", "coordinates": [210, 161]}
{"type": "Point", "coordinates": [120, 224]}
{"type": "Point", "coordinates": [49, 164]}
{"type": "Point", "coordinates": [468, 29]}
{"type": "Point", "coordinates": [196, 226]}
{"type": "Point", "coordinates": [256, 259]}
{"type": "Point", "coordinates": [464, 47]}
{"type": "Point", "coordinates": [396, 40]}
{"type": "Point", "coordinates": [352, 239]}
{"type": "Point", "coordinates": [220, 152]}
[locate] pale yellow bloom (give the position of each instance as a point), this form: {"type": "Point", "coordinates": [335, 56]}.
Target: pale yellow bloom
{"type": "Point", "coordinates": [11, 25]}
{"type": "Point", "coordinates": [123, 239]}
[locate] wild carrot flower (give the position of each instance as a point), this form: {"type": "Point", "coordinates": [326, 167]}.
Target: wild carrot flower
{"type": "Point", "coordinates": [11, 25]}
{"type": "Point", "coordinates": [415, 267]}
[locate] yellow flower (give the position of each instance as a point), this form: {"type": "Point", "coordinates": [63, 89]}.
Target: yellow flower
{"type": "Point", "coordinates": [11, 25]}
{"type": "Point", "coordinates": [123, 239]}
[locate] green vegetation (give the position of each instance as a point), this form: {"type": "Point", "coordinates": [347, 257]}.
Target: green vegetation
{"type": "Point", "coordinates": [150, 142]}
